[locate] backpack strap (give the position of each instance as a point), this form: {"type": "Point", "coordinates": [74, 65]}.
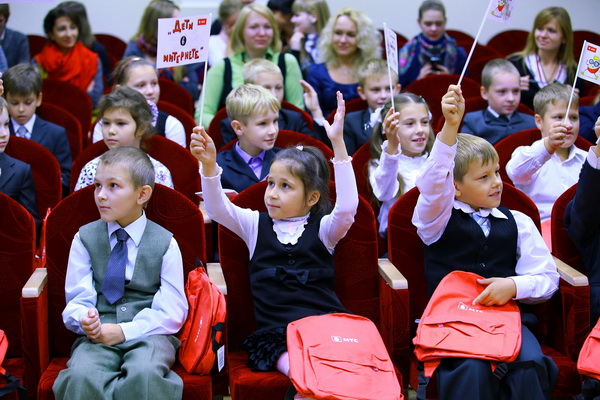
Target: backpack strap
{"type": "Point", "coordinates": [227, 87]}
{"type": "Point", "coordinates": [12, 385]}
{"type": "Point", "coordinates": [291, 392]}
{"type": "Point", "coordinates": [283, 68]}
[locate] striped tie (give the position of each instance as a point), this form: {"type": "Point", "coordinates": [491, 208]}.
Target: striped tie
{"type": "Point", "coordinates": [23, 132]}
{"type": "Point", "coordinates": [483, 222]}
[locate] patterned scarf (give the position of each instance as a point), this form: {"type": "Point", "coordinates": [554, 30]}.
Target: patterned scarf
{"type": "Point", "coordinates": [445, 48]}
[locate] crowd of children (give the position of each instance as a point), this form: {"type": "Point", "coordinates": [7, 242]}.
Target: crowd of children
{"type": "Point", "coordinates": [124, 261]}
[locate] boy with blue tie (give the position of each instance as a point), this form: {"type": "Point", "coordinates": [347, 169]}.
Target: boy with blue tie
{"type": "Point", "coordinates": [459, 219]}
{"type": "Point", "coordinates": [126, 303]}
{"type": "Point", "coordinates": [23, 93]}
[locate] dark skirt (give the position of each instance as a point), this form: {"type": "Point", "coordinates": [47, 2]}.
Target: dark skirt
{"type": "Point", "coordinates": [264, 348]}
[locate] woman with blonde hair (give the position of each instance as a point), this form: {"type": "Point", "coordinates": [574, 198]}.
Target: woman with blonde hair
{"type": "Point", "coordinates": [347, 41]}
{"type": "Point", "coordinates": [255, 35]}
{"type": "Point", "coordinates": [143, 44]}
{"type": "Point", "coordinates": [548, 54]}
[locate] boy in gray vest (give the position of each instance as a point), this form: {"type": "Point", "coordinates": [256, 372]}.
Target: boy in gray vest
{"type": "Point", "coordinates": [126, 302]}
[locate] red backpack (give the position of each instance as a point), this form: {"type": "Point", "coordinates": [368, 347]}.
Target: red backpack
{"type": "Point", "coordinates": [589, 357]}
{"type": "Point", "coordinates": [451, 326]}
{"type": "Point", "coordinates": [340, 357]}
{"type": "Point", "coordinates": [8, 382]}
{"type": "Point", "coordinates": [203, 329]}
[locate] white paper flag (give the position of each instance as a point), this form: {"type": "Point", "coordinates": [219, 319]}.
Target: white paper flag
{"type": "Point", "coordinates": [391, 48]}
{"type": "Point", "coordinates": [182, 41]}
{"type": "Point", "coordinates": [590, 63]}
{"type": "Point", "coordinates": [501, 10]}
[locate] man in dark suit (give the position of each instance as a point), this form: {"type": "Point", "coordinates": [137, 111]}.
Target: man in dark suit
{"type": "Point", "coordinates": [14, 44]}
{"type": "Point", "coordinates": [22, 88]}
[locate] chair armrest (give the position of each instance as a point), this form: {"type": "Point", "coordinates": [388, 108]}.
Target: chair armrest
{"type": "Point", "coordinates": [391, 275]}
{"type": "Point", "coordinates": [35, 284]}
{"type": "Point", "coordinates": [34, 324]}
{"type": "Point", "coordinates": [570, 274]}
{"type": "Point", "coordinates": [215, 273]}
{"type": "Point", "coordinates": [207, 219]}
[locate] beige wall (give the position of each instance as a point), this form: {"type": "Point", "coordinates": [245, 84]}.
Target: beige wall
{"type": "Point", "coordinates": [121, 17]}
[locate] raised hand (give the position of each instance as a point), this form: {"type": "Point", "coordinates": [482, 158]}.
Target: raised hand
{"type": "Point", "coordinates": [453, 105]}
{"type": "Point", "coordinates": [311, 101]}
{"type": "Point", "coordinates": [391, 126]}
{"type": "Point", "coordinates": [556, 137]}
{"type": "Point", "coordinates": [203, 148]}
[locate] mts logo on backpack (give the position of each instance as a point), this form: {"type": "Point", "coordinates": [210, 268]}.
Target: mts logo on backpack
{"type": "Point", "coordinates": [340, 339]}
{"type": "Point", "coordinates": [464, 307]}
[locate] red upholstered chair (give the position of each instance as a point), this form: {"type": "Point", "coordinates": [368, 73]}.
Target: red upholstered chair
{"type": "Point", "coordinates": [476, 66]}
{"type": "Point", "coordinates": [481, 51]}
{"type": "Point", "coordinates": [579, 36]}
{"type": "Point", "coordinates": [508, 42]}
{"type": "Point", "coordinates": [587, 100]}
{"type": "Point", "coordinates": [562, 246]}
{"type": "Point", "coordinates": [555, 332]}
{"type": "Point", "coordinates": [463, 39]}
{"type": "Point", "coordinates": [114, 46]}
{"type": "Point", "coordinates": [310, 123]}
{"type": "Point", "coordinates": [358, 285]}
{"type": "Point", "coordinates": [175, 94]}
{"type": "Point", "coordinates": [45, 334]}
{"type": "Point", "coordinates": [59, 116]}
{"type": "Point", "coordinates": [360, 164]}
{"type": "Point", "coordinates": [433, 87]}
{"type": "Point", "coordinates": [214, 129]}
{"type": "Point", "coordinates": [45, 170]}
{"type": "Point", "coordinates": [71, 98]}
{"type": "Point", "coordinates": [185, 118]}
{"type": "Point", "coordinates": [181, 163]}
{"type": "Point", "coordinates": [36, 44]}
{"type": "Point", "coordinates": [506, 146]}
{"type": "Point", "coordinates": [353, 105]}
{"type": "Point", "coordinates": [17, 251]}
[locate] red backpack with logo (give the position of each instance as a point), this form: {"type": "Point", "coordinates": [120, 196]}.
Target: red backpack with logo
{"type": "Point", "coordinates": [203, 329]}
{"type": "Point", "coordinates": [340, 357]}
{"type": "Point", "coordinates": [451, 326]}
{"type": "Point", "coordinates": [589, 358]}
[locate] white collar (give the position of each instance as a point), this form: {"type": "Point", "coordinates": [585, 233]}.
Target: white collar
{"type": "Point", "coordinates": [484, 212]}
{"type": "Point", "coordinates": [135, 230]}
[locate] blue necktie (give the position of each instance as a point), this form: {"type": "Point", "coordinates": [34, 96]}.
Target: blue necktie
{"type": "Point", "coordinates": [23, 132]}
{"type": "Point", "coordinates": [483, 222]}
{"type": "Point", "coordinates": [114, 280]}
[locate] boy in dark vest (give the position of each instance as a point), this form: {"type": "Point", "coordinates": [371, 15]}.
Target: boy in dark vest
{"type": "Point", "coordinates": [459, 218]}
{"type": "Point", "coordinates": [126, 303]}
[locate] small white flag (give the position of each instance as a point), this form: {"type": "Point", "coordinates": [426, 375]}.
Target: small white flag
{"type": "Point", "coordinates": [182, 41]}
{"type": "Point", "coordinates": [501, 10]}
{"type": "Point", "coordinates": [590, 63]}
{"type": "Point", "coordinates": [391, 48]}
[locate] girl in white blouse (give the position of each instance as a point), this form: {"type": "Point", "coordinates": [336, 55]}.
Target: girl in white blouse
{"type": "Point", "coordinates": [397, 161]}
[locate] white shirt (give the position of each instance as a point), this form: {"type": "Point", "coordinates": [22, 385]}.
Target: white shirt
{"type": "Point", "coordinates": [169, 306]}
{"type": "Point", "coordinates": [543, 176]}
{"type": "Point", "coordinates": [383, 177]}
{"type": "Point", "coordinates": [244, 222]}
{"type": "Point", "coordinates": [174, 131]}
{"type": "Point", "coordinates": [537, 277]}
{"type": "Point", "coordinates": [217, 47]}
